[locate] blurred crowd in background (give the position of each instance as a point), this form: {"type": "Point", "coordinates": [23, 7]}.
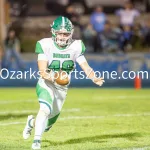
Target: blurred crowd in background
{"type": "Point", "coordinates": [10, 51]}
{"type": "Point", "coordinates": [99, 34]}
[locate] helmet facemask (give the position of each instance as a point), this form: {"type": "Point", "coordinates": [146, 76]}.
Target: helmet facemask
{"type": "Point", "coordinates": [62, 37]}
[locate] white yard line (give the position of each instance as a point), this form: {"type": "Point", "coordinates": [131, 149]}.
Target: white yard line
{"type": "Point", "coordinates": [71, 110]}
{"type": "Point", "coordinates": [84, 117]}
{"type": "Point", "coordinates": [99, 117]}
{"type": "Point", "coordinates": [121, 97]}
{"type": "Point", "coordinates": [11, 123]}
{"type": "Point", "coordinates": [94, 97]}
{"type": "Point", "coordinates": [34, 111]}
{"type": "Point", "coordinates": [17, 112]}
{"type": "Point", "coordinates": [137, 148]}
{"type": "Point", "coordinates": [16, 101]}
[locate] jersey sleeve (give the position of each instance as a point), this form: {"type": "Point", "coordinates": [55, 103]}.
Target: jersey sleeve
{"type": "Point", "coordinates": [81, 59]}
{"type": "Point", "coordinates": [40, 52]}
{"type": "Point", "coordinates": [38, 48]}
{"type": "Point", "coordinates": [82, 48]}
{"type": "Point", "coordinates": [80, 55]}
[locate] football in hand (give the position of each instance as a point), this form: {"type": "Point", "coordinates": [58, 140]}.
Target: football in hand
{"type": "Point", "coordinates": [61, 78]}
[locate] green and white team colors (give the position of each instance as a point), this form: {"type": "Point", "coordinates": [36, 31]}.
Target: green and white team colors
{"type": "Point", "coordinates": [52, 94]}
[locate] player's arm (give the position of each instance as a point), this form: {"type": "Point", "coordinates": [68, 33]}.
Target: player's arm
{"type": "Point", "coordinates": [89, 71]}
{"type": "Point", "coordinates": [81, 60]}
{"type": "Point", "coordinates": [42, 63]}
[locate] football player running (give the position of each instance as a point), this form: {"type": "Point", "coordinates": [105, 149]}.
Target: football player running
{"type": "Point", "coordinates": [60, 52]}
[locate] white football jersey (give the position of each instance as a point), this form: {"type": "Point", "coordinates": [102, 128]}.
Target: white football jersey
{"type": "Point", "coordinates": [60, 58]}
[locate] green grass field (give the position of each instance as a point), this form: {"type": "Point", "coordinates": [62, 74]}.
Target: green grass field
{"type": "Point", "coordinates": [91, 119]}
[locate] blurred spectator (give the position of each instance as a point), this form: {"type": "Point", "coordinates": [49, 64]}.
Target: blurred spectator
{"type": "Point", "coordinates": [126, 38]}
{"type": "Point", "coordinates": [77, 27]}
{"type": "Point", "coordinates": [98, 19]}
{"type": "Point", "coordinates": [63, 2]}
{"type": "Point", "coordinates": [74, 17]}
{"type": "Point", "coordinates": [70, 12]}
{"type": "Point", "coordinates": [128, 14]}
{"type": "Point", "coordinates": [89, 37]}
{"type": "Point", "coordinates": [138, 37]}
{"type": "Point", "coordinates": [146, 33]}
{"type": "Point", "coordinates": [18, 7]}
{"type": "Point", "coordinates": [109, 39]}
{"type": "Point", "coordinates": [12, 50]}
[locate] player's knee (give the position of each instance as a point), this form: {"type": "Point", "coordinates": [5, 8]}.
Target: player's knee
{"type": "Point", "coordinates": [45, 109]}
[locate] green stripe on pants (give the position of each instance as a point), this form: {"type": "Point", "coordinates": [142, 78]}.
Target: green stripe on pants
{"type": "Point", "coordinates": [43, 94]}
{"type": "Point", "coordinates": [51, 121]}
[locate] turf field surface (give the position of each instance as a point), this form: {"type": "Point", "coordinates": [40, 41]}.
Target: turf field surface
{"type": "Point", "coordinates": [91, 119]}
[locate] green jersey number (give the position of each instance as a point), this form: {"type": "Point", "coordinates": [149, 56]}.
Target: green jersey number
{"type": "Point", "coordinates": [67, 65]}
{"type": "Point", "coordinates": [55, 65]}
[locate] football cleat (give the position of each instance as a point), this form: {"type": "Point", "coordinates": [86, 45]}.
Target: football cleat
{"type": "Point", "coordinates": [36, 145]}
{"type": "Point", "coordinates": [28, 128]}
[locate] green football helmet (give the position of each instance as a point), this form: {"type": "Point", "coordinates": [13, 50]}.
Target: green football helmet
{"type": "Point", "coordinates": [62, 31]}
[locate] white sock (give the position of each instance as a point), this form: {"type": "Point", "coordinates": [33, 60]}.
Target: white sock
{"type": "Point", "coordinates": [45, 124]}
{"type": "Point", "coordinates": [40, 124]}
